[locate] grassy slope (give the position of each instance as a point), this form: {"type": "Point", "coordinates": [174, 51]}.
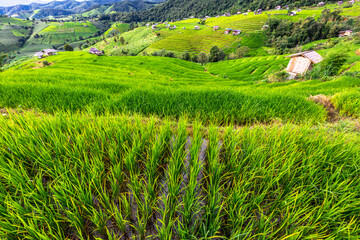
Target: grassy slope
{"type": "Point", "coordinates": [166, 87]}
{"type": "Point", "coordinates": [137, 40]}
{"type": "Point", "coordinates": [58, 33]}
{"type": "Point", "coordinates": [11, 33]}
{"type": "Point", "coordinates": [117, 28]}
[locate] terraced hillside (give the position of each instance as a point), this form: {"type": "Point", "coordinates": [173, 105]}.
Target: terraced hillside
{"type": "Point", "coordinates": [136, 41]}
{"type": "Point", "coordinates": [167, 87]}
{"type": "Point", "coordinates": [195, 41]}
{"type": "Point", "coordinates": [117, 28]}
{"type": "Point", "coordinates": [12, 30]}
{"type": "Point", "coordinates": [248, 69]}
{"type": "Point", "coordinates": [60, 33]}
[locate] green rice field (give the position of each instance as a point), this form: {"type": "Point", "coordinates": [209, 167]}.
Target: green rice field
{"type": "Point", "coordinates": [59, 33]}
{"type": "Point", "coordinates": [166, 87]}
{"type": "Point", "coordinates": [81, 176]}
{"type": "Point", "coordinates": [119, 147]}
{"type": "Point", "coordinates": [11, 30]}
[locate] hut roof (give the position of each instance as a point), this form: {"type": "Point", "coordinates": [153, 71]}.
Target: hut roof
{"type": "Point", "coordinates": [47, 51]}
{"type": "Point", "coordinates": [311, 55]}
{"type": "Point", "coordinates": [39, 54]}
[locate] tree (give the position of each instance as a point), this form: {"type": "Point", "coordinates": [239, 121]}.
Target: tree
{"type": "Point", "coordinates": [170, 54]}
{"type": "Point", "coordinates": [186, 56]}
{"type": "Point", "coordinates": [203, 58]}
{"type": "Point", "coordinates": [216, 54]}
{"type": "Point", "coordinates": [122, 40]}
{"type": "Point", "coordinates": [242, 51]}
{"type": "Point", "coordinates": [68, 48]}
{"type": "Point", "coordinates": [2, 59]}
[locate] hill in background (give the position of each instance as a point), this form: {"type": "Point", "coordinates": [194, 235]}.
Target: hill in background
{"type": "Point", "coordinates": [70, 7]}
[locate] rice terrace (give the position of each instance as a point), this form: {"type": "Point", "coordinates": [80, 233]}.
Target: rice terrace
{"type": "Point", "coordinates": [180, 119]}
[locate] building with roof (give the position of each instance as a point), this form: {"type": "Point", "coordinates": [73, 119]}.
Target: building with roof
{"type": "Point", "coordinates": [215, 28]}
{"type": "Point", "coordinates": [236, 32]}
{"type": "Point", "coordinates": [345, 33]}
{"type": "Point", "coordinates": [301, 62]}
{"type": "Point", "coordinates": [45, 53]}
{"type": "Point", "coordinates": [96, 51]}
{"type": "Point", "coordinates": [39, 55]}
{"type": "Point", "coordinates": [227, 31]}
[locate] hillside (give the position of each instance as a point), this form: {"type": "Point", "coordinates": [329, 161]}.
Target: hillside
{"type": "Point", "coordinates": [13, 33]}
{"type": "Point", "coordinates": [224, 93]}
{"type": "Point", "coordinates": [178, 9]}
{"type": "Point", "coordinates": [183, 129]}
{"type": "Point", "coordinates": [121, 6]}
{"type": "Point", "coordinates": [167, 141]}
{"type": "Point", "coordinates": [186, 39]}
{"type": "Point", "coordinates": [69, 7]}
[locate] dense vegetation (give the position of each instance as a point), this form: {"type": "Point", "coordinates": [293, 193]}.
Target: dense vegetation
{"type": "Point", "coordinates": [182, 133]}
{"type": "Point", "coordinates": [178, 9]}
{"type": "Point", "coordinates": [79, 176]}
{"type": "Point", "coordinates": [284, 34]}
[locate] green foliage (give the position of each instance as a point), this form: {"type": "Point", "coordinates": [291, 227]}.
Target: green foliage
{"type": "Point", "coordinates": [284, 34]}
{"type": "Point", "coordinates": [240, 53]}
{"type": "Point", "coordinates": [330, 66]}
{"type": "Point", "coordinates": [216, 54]}
{"type": "Point", "coordinates": [202, 58]}
{"type": "Point", "coordinates": [2, 59]}
{"type": "Point", "coordinates": [281, 76]}
{"type": "Point", "coordinates": [348, 103]}
{"type": "Point", "coordinates": [186, 56]}
{"type": "Point", "coordinates": [68, 48]}
{"type": "Point", "coordinates": [138, 174]}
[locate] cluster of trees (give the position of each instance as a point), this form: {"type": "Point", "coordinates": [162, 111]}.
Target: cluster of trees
{"type": "Point", "coordinates": [178, 9]}
{"type": "Point", "coordinates": [215, 55]}
{"type": "Point", "coordinates": [3, 57]}
{"type": "Point", "coordinates": [284, 34]}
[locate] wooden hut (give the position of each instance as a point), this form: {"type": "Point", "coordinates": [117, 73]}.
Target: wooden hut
{"type": "Point", "coordinates": [196, 28]}
{"type": "Point", "coordinates": [321, 4]}
{"type": "Point", "coordinates": [96, 51]}
{"type": "Point", "coordinates": [236, 32]}
{"type": "Point", "coordinates": [215, 28]}
{"type": "Point", "coordinates": [301, 62]}
{"type": "Point", "coordinates": [227, 31]}
{"type": "Point", "coordinates": [39, 55]}
{"type": "Point", "coordinates": [345, 33]}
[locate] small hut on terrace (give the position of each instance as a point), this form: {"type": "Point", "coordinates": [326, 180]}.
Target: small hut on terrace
{"type": "Point", "coordinates": [50, 52]}
{"type": "Point", "coordinates": [301, 62]}
{"type": "Point", "coordinates": [227, 31]}
{"type": "Point", "coordinates": [236, 32]}
{"type": "Point", "coordinates": [345, 33]}
{"type": "Point", "coordinates": [321, 4]}
{"type": "Point", "coordinates": [96, 51]}
{"type": "Point", "coordinates": [196, 28]}
{"type": "Point", "coordinates": [39, 55]}
{"type": "Point", "coordinates": [215, 28]}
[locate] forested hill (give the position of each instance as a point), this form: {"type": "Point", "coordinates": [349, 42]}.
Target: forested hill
{"type": "Point", "coordinates": [178, 9]}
